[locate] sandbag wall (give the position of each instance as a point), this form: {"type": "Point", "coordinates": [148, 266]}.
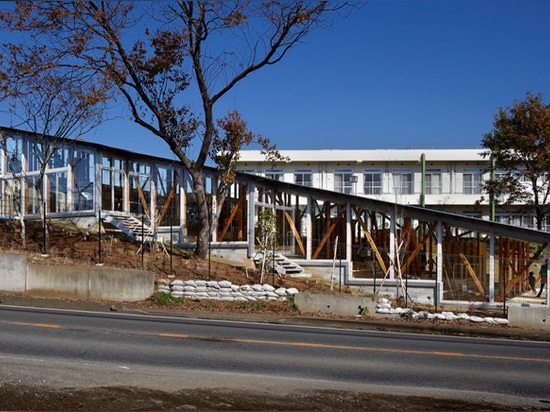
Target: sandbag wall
{"type": "Point", "coordinates": [223, 290]}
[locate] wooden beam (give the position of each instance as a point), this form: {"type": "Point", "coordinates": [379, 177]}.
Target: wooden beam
{"type": "Point", "coordinates": [472, 273]}
{"type": "Point", "coordinates": [295, 232]}
{"type": "Point", "coordinates": [167, 203]}
{"type": "Point", "coordinates": [467, 265]}
{"type": "Point", "coordinates": [142, 198]}
{"type": "Point", "coordinates": [372, 245]}
{"type": "Point", "coordinates": [418, 248]}
{"type": "Point", "coordinates": [327, 235]}
{"type": "Point", "coordinates": [229, 220]}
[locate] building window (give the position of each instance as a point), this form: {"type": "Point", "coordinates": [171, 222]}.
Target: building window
{"type": "Point", "coordinates": [139, 187]}
{"type": "Point", "coordinates": [112, 183]}
{"type": "Point", "coordinates": [303, 177]}
{"type": "Point", "coordinates": [83, 179]}
{"type": "Point", "coordinates": [471, 182]}
{"type": "Point", "coordinates": [372, 182]}
{"type": "Point", "coordinates": [433, 182]}
{"type": "Point", "coordinates": [59, 157]}
{"type": "Point", "coordinates": [32, 199]}
{"type": "Point", "coordinates": [56, 184]}
{"type": "Point", "coordinates": [343, 181]}
{"type": "Point", "coordinates": [14, 153]}
{"type": "Point", "coordinates": [274, 174]}
{"type": "Point", "coordinates": [403, 182]}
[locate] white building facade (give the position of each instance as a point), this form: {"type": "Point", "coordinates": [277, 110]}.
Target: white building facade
{"type": "Point", "coordinates": [446, 180]}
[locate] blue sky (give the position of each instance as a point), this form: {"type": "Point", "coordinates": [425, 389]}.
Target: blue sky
{"type": "Point", "coordinates": [394, 74]}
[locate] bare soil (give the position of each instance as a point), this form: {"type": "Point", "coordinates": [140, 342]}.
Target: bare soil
{"type": "Point", "coordinates": [70, 245]}
{"type": "Point", "coordinates": [67, 244]}
{"type": "Point", "coordinates": [125, 398]}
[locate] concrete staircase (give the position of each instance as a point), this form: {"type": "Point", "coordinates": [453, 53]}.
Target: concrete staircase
{"type": "Point", "coordinates": [131, 226]}
{"type": "Point", "coordinates": [283, 265]}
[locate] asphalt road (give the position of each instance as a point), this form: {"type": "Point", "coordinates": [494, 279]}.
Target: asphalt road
{"type": "Point", "coordinates": [60, 348]}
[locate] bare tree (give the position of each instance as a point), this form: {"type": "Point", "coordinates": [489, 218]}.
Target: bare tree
{"type": "Point", "coordinates": [157, 54]}
{"type": "Point", "coordinates": [54, 105]}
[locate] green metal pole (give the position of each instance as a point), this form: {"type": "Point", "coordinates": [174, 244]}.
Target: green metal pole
{"type": "Point", "coordinates": [423, 184]}
{"type": "Point", "coordinates": [492, 195]}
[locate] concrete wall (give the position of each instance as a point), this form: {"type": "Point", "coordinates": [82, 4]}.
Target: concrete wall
{"type": "Point", "coordinates": [334, 304]}
{"type": "Point", "coordinates": [13, 272]}
{"type": "Point", "coordinates": [529, 317]}
{"type": "Point", "coordinates": [82, 282]}
{"type": "Point", "coordinates": [420, 294]}
{"type": "Point", "coordinates": [73, 282]}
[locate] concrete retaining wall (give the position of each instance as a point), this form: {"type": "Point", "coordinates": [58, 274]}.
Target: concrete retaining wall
{"type": "Point", "coordinates": [13, 272]}
{"type": "Point", "coordinates": [73, 282]}
{"type": "Point", "coordinates": [529, 317]}
{"type": "Point", "coordinates": [334, 304]}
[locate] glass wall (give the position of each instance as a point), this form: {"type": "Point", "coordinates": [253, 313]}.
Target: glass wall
{"type": "Point", "coordinates": [167, 196]}
{"type": "Point", "coordinates": [514, 259]}
{"type": "Point", "coordinates": [232, 223]}
{"type": "Point", "coordinates": [465, 264]}
{"type": "Point", "coordinates": [112, 184]}
{"type": "Point", "coordinates": [56, 186]}
{"type": "Point", "coordinates": [83, 167]}
{"type": "Point", "coordinates": [140, 188]}
{"type": "Point", "coordinates": [11, 195]}
{"type": "Point", "coordinates": [32, 196]}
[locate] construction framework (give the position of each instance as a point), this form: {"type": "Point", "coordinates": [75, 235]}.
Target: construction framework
{"type": "Point", "coordinates": [380, 243]}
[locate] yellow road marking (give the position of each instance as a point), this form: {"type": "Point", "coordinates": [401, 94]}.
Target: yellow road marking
{"type": "Point", "coordinates": [307, 344]}
{"type": "Point", "coordinates": [173, 335]}
{"type": "Point", "coordinates": [38, 325]}
{"type": "Point", "coordinates": [359, 348]}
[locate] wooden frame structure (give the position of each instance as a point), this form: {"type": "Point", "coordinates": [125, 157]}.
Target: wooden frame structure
{"type": "Point", "coordinates": [464, 258]}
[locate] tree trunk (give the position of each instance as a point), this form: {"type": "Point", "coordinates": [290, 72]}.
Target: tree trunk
{"type": "Point", "coordinates": [23, 231]}
{"type": "Point", "coordinates": [539, 217]}
{"type": "Point", "coordinates": [201, 249]}
{"type": "Point", "coordinates": [42, 205]}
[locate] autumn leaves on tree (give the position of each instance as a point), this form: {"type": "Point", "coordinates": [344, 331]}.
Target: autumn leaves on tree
{"type": "Point", "coordinates": [154, 56]}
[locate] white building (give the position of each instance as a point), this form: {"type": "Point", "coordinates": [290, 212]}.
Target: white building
{"type": "Point", "coordinates": [447, 180]}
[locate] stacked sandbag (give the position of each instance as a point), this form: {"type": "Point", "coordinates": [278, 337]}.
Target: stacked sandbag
{"type": "Point", "coordinates": [384, 306]}
{"type": "Point", "coordinates": [223, 290]}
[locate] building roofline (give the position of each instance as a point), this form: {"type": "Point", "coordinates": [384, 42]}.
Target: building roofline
{"type": "Point", "coordinates": [106, 149]}
{"type": "Point", "coordinates": [359, 156]}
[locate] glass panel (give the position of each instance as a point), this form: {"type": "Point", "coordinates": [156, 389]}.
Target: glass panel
{"type": "Point", "coordinates": [342, 181]}
{"type": "Point", "coordinates": [112, 179]}
{"type": "Point", "coordinates": [35, 155]}
{"type": "Point", "coordinates": [471, 179]}
{"type": "Point", "coordinates": [57, 188]}
{"type": "Point", "coordinates": [303, 177]}
{"type": "Point", "coordinates": [372, 182]}
{"type": "Point", "coordinates": [118, 183]}
{"type": "Point", "coordinates": [10, 197]}
{"type": "Point", "coordinates": [465, 265]}
{"type": "Point", "coordinates": [433, 182]}
{"type": "Point", "coordinates": [83, 180]}
{"type": "Point", "coordinates": [14, 152]}
{"type": "Point", "coordinates": [403, 182]}
{"type": "Point", "coordinates": [140, 194]}
{"type": "Point", "coordinates": [274, 174]}
{"type": "Point", "coordinates": [59, 158]}
{"type": "Point", "coordinates": [32, 195]}
{"type": "Point", "coordinates": [167, 196]}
